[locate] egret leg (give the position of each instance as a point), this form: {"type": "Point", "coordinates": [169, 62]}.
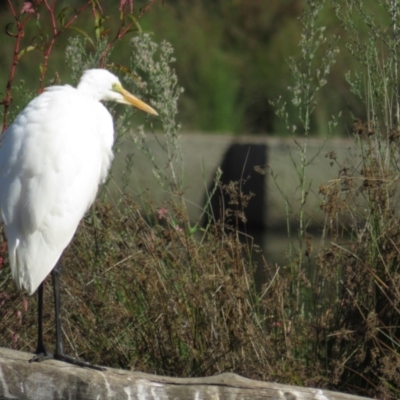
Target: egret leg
{"type": "Point", "coordinates": [41, 353]}
{"type": "Point", "coordinates": [59, 353]}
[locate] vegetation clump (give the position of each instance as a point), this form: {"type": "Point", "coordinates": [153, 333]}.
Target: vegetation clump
{"type": "Point", "coordinates": [146, 288]}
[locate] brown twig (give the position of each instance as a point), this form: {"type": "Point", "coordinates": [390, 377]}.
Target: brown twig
{"type": "Point", "coordinates": [56, 33]}
{"type": "Point", "coordinates": [123, 30]}
{"type": "Point", "coordinates": [48, 47]}
{"type": "Point", "coordinates": [19, 35]}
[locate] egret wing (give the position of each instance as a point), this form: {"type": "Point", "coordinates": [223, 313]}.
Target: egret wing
{"type": "Point", "coordinates": [51, 161]}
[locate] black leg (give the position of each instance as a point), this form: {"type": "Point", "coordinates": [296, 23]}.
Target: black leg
{"type": "Point", "coordinates": [55, 276]}
{"type": "Point", "coordinates": [59, 353]}
{"type": "Point", "coordinates": [41, 352]}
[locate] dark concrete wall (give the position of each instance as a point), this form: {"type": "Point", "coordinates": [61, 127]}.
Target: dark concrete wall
{"type": "Point", "coordinates": [241, 164]}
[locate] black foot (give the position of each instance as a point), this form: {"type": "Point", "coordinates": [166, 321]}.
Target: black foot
{"type": "Point", "coordinates": [38, 357]}
{"type": "Point", "coordinates": [41, 354]}
{"type": "Point", "coordinates": [79, 363]}
{"type": "Point", "coordinates": [44, 355]}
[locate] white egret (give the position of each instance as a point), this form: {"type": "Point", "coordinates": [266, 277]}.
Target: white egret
{"type": "Point", "coordinates": [52, 159]}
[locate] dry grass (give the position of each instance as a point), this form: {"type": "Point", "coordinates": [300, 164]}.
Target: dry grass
{"type": "Point", "coordinates": [142, 292]}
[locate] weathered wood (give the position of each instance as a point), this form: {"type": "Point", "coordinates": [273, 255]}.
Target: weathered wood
{"type": "Point", "coordinates": [50, 380]}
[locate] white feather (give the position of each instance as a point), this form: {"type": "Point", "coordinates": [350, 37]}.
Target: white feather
{"type": "Point", "coordinates": [52, 160]}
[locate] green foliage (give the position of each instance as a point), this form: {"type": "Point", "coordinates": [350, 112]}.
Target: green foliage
{"type": "Point", "coordinates": [237, 52]}
{"type": "Point", "coordinates": [151, 74]}
{"type": "Point", "coordinates": [79, 58]}
{"type": "Point", "coordinates": [309, 75]}
{"type": "Point", "coordinates": [351, 298]}
{"type": "Point", "coordinates": [183, 300]}
{"type": "Point", "coordinates": [232, 57]}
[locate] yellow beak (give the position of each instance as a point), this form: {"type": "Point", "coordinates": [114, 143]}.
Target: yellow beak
{"type": "Point", "coordinates": [130, 99]}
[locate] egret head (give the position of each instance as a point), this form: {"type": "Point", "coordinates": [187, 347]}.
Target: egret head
{"type": "Point", "coordinates": [103, 85]}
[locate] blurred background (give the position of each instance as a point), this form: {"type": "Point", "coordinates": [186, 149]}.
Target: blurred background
{"type": "Point", "coordinates": [232, 60]}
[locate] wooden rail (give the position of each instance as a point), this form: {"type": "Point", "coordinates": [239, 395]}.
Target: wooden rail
{"type": "Point", "coordinates": [50, 380]}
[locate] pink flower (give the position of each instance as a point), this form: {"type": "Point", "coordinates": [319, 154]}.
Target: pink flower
{"type": "Point", "coordinates": [27, 8]}
{"type": "Point", "coordinates": [162, 212]}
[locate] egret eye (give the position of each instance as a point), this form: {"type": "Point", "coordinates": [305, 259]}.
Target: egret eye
{"type": "Point", "coordinates": [116, 87]}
